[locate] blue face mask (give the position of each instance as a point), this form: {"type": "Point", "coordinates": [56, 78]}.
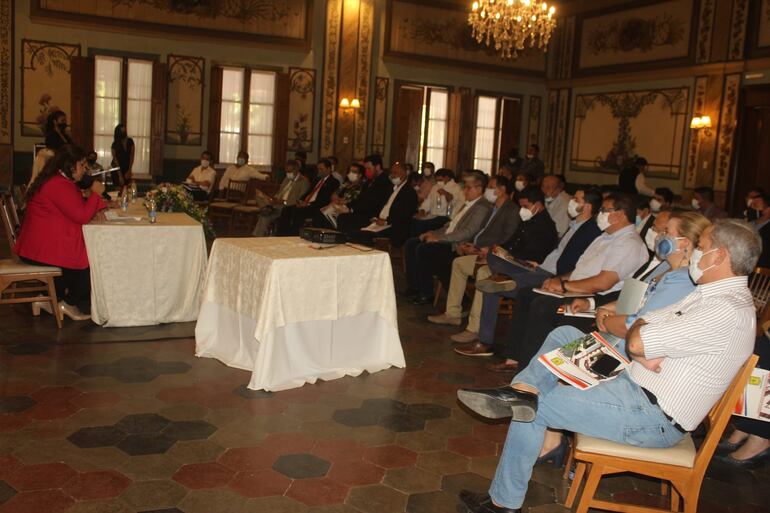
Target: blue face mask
{"type": "Point", "coordinates": [665, 246]}
{"type": "Point", "coordinates": [638, 221]}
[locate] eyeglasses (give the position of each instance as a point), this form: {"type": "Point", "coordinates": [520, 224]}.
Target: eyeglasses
{"type": "Point", "coordinates": [608, 210]}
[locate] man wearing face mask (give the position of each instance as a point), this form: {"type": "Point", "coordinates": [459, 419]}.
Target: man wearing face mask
{"type": "Point", "coordinates": [445, 198]}
{"type": "Point", "coordinates": [703, 202]}
{"type": "Point", "coordinates": [369, 203]}
{"type": "Point", "coordinates": [293, 187]}
{"type": "Point", "coordinates": [240, 171]}
{"type": "Point", "coordinates": [293, 217]}
{"type": "Point", "coordinates": [431, 253]}
{"type": "Point", "coordinates": [533, 166]}
{"type": "Point", "coordinates": [522, 182]}
{"type": "Point", "coordinates": [342, 197]}
{"type": "Point", "coordinates": [644, 216]}
{"type": "Point", "coordinates": [751, 214]}
{"type": "Point", "coordinates": [684, 357]}
{"type": "Point", "coordinates": [202, 177]}
{"type": "Point", "coordinates": [556, 201]}
{"type": "Point", "coordinates": [663, 199]}
{"type": "Point", "coordinates": [507, 279]}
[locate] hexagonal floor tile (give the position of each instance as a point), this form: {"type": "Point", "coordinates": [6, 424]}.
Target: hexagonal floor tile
{"type": "Point", "coordinates": [318, 491]}
{"type": "Point", "coordinates": [248, 393]}
{"type": "Point", "coordinates": [471, 446]}
{"type": "Point", "coordinates": [247, 459]}
{"type": "Point", "coordinates": [390, 456]}
{"type": "Point", "coordinates": [16, 404]}
{"type": "Point", "coordinates": [203, 475]}
{"type": "Point", "coordinates": [262, 483]}
{"type": "Point", "coordinates": [356, 417]}
{"type": "Point", "coordinates": [43, 476]}
{"type": "Point", "coordinates": [301, 466]}
{"type": "Point", "coordinates": [377, 499]}
{"type": "Point", "coordinates": [189, 430]}
{"type": "Point", "coordinates": [412, 480]}
{"type": "Point", "coordinates": [97, 485]}
{"type": "Point", "coordinates": [48, 501]}
{"type": "Point", "coordinates": [99, 436]}
{"type": "Point", "coordinates": [6, 492]}
{"type": "Point", "coordinates": [146, 495]}
{"type": "Point", "coordinates": [136, 445]}
{"type": "Point", "coordinates": [142, 424]}
{"type": "Point", "coordinates": [429, 411]}
{"type": "Point", "coordinates": [357, 473]}
{"type": "Point", "coordinates": [402, 422]}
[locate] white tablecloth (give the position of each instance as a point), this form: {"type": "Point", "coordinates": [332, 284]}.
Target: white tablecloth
{"type": "Point", "coordinates": [292, 314]}
{"type": "Point", "coordinates": [144, 274]}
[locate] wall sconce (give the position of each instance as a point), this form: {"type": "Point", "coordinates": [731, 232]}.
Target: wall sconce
{"type": "Point", "coordinates": [346, 103]}
{"type": "Point", "coordinates": [701, 123]}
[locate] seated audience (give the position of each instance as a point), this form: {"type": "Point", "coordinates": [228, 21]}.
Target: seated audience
{"type": "Point", "coordinates": [369, 203]}
{"type": "Point", "coordinates": [52, 231]}
{"type": "Point", "coordinates": [514, 161]}
{"type": "Point", "coordinates": [750, 214]}
{"type": "Point", "coordinates": [202, 178]}
{"type": "Point", "coordinates": [644, 218]}
{"type": "Point", "coordinates": [394, 219]}
{"type": "Point", "coordinates": [703, 202]}
{"type": "Point", "coordinates": [602, 267]}
{"type": "Point", "coordinates": [444, 199]}
{"type": "Point", "coordinates": [241, 171]}
{"type": "Point", "coordinates": [92, 165]}
{"type": "Point", "coordinates": [293, 187]}
{"type": "Point", "coordinates": [334, 163]}
{"type": "Point", "coordinates": [509, 278]}
{"type": "Point", "coordinates": [532, 165]}
{"type": "Point", "coordinates": [293, 218]}
{"type": "Point", "coordinates": [508, 170]}
{"type": "Point", "coordinates": [500, 226]}
{"type": "Point", "coordinates": [662, 200]}
{"type": "Point", "coordinates": [428, 181]}
{"type": "Point", "coordinates": [532, 241]}
{"type": "Point", "coordinates": [354, 183]}
{"type": "Point", "coordinates": [761, 205]}
{"type": "Point", "coordinates": [431, 253]}
{"type": "Point", "coordinates": [522, 181]}
{"type": "Point", "coordinates": [556, 201]}
{"type": "Point", "coordinates": [684, 357]}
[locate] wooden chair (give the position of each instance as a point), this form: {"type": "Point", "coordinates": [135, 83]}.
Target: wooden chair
{"type": "Point", "coordinates": [681, 466]}
{"type": "Point", "coordinates": [759, 284]}
{"type": "Point", "coordinates": [21, 282]}
{"type": "Point", "coordinates": [13, 212]}
{"type": "Point", "coordinates": [235, 194]}
{"type": "Point", "coordinates": [245, 216]}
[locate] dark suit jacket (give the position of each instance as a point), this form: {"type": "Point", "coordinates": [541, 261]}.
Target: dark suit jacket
{"type": "Point", "coordinates": [583, 238]}
{"type": "Point", "coordinates": [367, 205]}
{"type": "Point", "coordinates": [534, 239]}
{"type": "Point", "coordinates": [764, 258]}
{"type": "Point", "coordinates": [402, 211]}
{"type": "Point", "coordinates": [324, 195]}
{"type": "Point", "coordinates": [502, 226]}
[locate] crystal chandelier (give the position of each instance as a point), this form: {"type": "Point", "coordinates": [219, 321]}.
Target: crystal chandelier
{"type": "Point", "coordinates": [512, 24]}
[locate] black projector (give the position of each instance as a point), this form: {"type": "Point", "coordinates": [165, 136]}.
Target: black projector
{"type": "Point", "coordinates": [323, 236]}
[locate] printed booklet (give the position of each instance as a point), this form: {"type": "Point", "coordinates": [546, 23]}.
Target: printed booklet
{"type": "Point", "coordinates": [586, 361]}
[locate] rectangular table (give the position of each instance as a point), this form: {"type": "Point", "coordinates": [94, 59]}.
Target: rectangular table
{"type": "Point", "coordinates": [291, 314]}
{"type": "Point", "coordinates": [144, 274]}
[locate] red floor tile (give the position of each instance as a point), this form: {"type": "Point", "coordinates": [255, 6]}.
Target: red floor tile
{"type": "Point", "coordinates": [13, 422]}
{"type": "Point", "coordinates": [287, 443]}
{"type": "Point", "coordinates": [247, 459]}
{"type": "Point", "coordinates": [391, 456]}
{"type": "Point", "coordinates": [203, 475]}
{"type": "Point", "coordinates": [491, 432]}
{"type": "Point", "coordinates": [339, 449]}
{"type": "Point", "coordinates": [55, 394]}
{"type": "Point", "coordinates": [97, 485]}
{"type": "Point", "coordinates": [317, 491]}
{"type": "Point", "coordinates": [472, 446]}
{"type": "Point", "coordinates": [262, 483]}
{"type": "Point", "coordinates": [41, 477]}
{"type": "Point", "coordinates": [96, 399]}
{"type": "Point", "coordinates": [52, 410]}
{"type": "Point", "coordinates": [43, 501]}
{"type": "Point", "coordinates": [8, 465]}
{"type": "Point", "coordinates": [356, 473]}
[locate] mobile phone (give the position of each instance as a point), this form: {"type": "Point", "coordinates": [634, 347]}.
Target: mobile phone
{"type": "Point", "coordinates": [605, 365]}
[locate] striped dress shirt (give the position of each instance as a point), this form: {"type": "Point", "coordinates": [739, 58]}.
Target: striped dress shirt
{"type": "Point", "coordinates": [705, 338]}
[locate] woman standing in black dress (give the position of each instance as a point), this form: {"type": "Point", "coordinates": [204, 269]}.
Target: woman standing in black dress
{"type": "Point", "coordinates": [122, 156]}
{"type": "Point", "coordinates": [55, 131]}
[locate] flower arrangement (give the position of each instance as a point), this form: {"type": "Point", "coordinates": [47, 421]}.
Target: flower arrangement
{"type": "Point", "coordinates": [175, 198]}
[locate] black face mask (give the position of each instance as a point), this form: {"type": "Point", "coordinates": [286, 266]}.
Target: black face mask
{"type": "Point", "coordinates": [62, 126]}
{"type": "Point", "coordinates": [752, 215]}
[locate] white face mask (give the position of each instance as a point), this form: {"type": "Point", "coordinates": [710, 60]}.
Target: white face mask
{"type": "Point", "coordinates": [695, 204]}
{"type": "Point", "coordinates": [603, 220]}
{"type": "Point", "coordinates": [427, 171]}
{"type": "Point", "coordinates": [530, 155]}
{"type": "Point", "coordinates": [491, 195]}
{"type": "Point", "coordinates": [353, 177]}
{"type": "Point", "coordinates": [241, 161]}
{"type": "Point", "coordinates": [572, 208]}
{"type": "Point", "coordinates": [205, 164]}
{"type": "Point", "coordinates": [519, 185]}
{"type": "Point", "coordinates": [291, 175]}
{"type": "Point", "coordinates": [696, 273]}
{"type": "Point", "coordinates": [440, 185]}
{"type": "Point", "coordinates": [649, 239]}
{"type": "Point", "coordinates": [655, 205]}
{"type": "Point", "coordinates": [548, 200]}
{"type": "Point", "coordinates": [525, 214]}
{"type": "Point", "coordinates": [395, 180]}
{"type": "Point", "coordinates": [749, 201]}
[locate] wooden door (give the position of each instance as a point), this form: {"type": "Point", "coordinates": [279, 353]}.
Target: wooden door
{"type": "Point", "coordinates": [158, 117]}
{"type": "Point", "coordinates": [81, 115]}
{"type": "Point", "coordinates": [750, 169]}
{"type": "Point", "coordinates": [407, 124]}
{"type": "Point", "coordinates": [510, 128]}
{"type": "Point", "coordinates": [215, 111]}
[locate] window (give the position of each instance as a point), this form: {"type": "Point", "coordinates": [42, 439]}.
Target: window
{"type": "Point", "coordinates": [437, 122]}
{"type": "Point", "coordinates": [126, 101]}
{"type": "Point", "coordinates": [420, 126]}
{"type": "Point", "coordinates": [260, 105]}
{"type": "Point", "coordinates": [498, 121]}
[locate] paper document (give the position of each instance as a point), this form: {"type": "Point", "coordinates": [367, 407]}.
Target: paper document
{"type": "Point", "coordinates": [117, 216]}
{"type": "Point", "coordinates": [563, 295]}
{"type": "Point", "coordinates": [566, 310]}
{"type": "Point", "coordinates": [631, 296]}
{"type": "Point", "coordinates": [505, 255]}
{"type": "Point", "coordinates": [375, 228]}
{"type": "Point", "coordinates": [755, 401]}
{"type": "Point", "coordinates": [586, 361]}
{"type": "Point", "coordinates": [331, 214]}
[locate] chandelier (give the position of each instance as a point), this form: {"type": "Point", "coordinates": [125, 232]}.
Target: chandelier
{"type": "Point", "coordinates": [512, 24]}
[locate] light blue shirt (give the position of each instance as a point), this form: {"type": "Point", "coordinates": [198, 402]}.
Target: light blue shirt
{"type": "Point", "coordinates": [549, 264]}
{"type": "Point", "coordinates": [672, 287]}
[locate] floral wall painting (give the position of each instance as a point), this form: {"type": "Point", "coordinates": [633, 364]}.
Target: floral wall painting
{"type": "Point", "coordinates": [45, 82]}
{"type": "Point", "coordinates": [657, 32]}
{"type": "Point", "coordinates": [301, 108]}
{"type": "Point", "coordinates": [442, 35]}
{"type": "Point", "coordinates": [609, 129]}
{"type": "Point", "coordinates": [763, 39]}
{"type": "Point", "coordinates": [184, 116]}
{"type": "Point", "coordinates": [276, 21]}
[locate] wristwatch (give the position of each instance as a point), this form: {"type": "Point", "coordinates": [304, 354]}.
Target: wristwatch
{"type": "Point", "coordinates": [563, 288]}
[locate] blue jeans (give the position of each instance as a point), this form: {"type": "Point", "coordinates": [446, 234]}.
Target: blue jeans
{"type": "Point", "coordinates": [490, 305]}
{"type": "Point", "coordinates": [616, 410]}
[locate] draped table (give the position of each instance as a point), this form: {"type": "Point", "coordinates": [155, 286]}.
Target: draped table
{"type": "Point", "coordinates": [144, 274]}
{"type": "Point", "coordinates": [292, 314]}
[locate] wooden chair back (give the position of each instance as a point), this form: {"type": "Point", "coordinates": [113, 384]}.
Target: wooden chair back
{"type": "Point", "coordinates": [220, 172]}
{"type": "Point", "coordinates": [10, 231]}
{"type": "Point", "coordinates": [759, 284]}
{"type": "Point", "coordinates": [13, 212]}
{"type": "Point", "coordinates": [236, 191]}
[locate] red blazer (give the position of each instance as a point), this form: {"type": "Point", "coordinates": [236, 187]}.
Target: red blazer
{"type": "Point", "coordinates": [52, 231]}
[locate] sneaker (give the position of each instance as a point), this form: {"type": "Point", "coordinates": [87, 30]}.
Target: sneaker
{"type": "Point", "coordinates": [445, 319]}
{"type": "Point", "coordinates": [495, 284]}
{"type": "Point", "coordinates": [464, 337]}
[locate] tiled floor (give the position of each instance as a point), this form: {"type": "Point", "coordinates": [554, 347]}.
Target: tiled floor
{"type": "Point", "coordinates": [99, 420]}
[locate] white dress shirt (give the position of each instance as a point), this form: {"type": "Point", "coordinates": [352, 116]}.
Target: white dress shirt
{"type": "Point", "coordinates": [385, 212]}
{"type": "Point", "coordinates": [203, 175]}
{"type": "Point", "coordinates": [549, 264]}
{"type": "Point", "coordinates": [622, 252]}
{"type": "Point", "coordinates": [557, 209]}
{"type": "Point", "coordinates": [436, 205]}
{"type": "Point", "coordinates": [704, 340]}
{"type": "Point", "coordinates": [240, 174]}
{"type": "Point", "coordinates": [460, 214]}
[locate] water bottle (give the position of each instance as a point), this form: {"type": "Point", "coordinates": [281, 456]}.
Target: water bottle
{"type": "Point", "coordinates": [440, 203]}
{"type": "Point", "coordinates": [124, 201]}
{"type": "Point", "coordinates": [133, 192]}
{"type": "Point", "coordinates": [449, 209]}
{"type": "Point", "coordinates": [153, 215]}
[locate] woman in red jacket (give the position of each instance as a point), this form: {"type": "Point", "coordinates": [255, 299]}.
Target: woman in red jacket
{"type": "Point", "coordinates": [52, 231]}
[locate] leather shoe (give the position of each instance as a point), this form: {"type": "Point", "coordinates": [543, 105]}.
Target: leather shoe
{"type": "Point", "coordinates": [503, 366]}
{"type": "Point", "coordinates": [73, 312]}
{"type": "Point", "coordinates": [499, 403]}
{"type": "Point", "coordinates": [475, 349]}
{"type": "Point", "coordinates": [481, 503]}
{"type": "Point", "coordinates": [495, 284]}
{"type": "Point", "coordinates": [422, 300]}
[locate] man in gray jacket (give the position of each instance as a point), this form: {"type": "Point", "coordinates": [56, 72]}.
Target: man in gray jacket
{"type": "Point", "coordinates": [431, 253]}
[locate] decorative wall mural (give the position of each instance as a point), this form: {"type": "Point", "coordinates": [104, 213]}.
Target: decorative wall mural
{"type": "Point", "coordinates": [45, 82]}
{"type": "Point", "coordinates": [693, 149]}
{"type": "Point", "coordinates": [609, 129]}
{"type": "Point", "coordinates": [184, 118]}
{"type": "Point", "coordinates": [651, 33]}
{"type": "Point", "coordinates": [738, 29]}
{"type": "Point", "coordinates": [533, 125]}
{"type": "Point", "coordinates": [301, 105]}
{"type": "Point", "coordinates": [550, 129]}
{"type": "Point", "coordinates": [763, 39]}
{"type": "Point", "coordinates": [728, 121]}
{"type": "Point", "coordinates": [705, 30]}
{"type": "Point", "coordinates": [364, 68]}
{"type": "Point", "coordinates": [380, 115]}
{"type": "Point", "coordinates": [442, 34]}
{"type": "Point", "coordinates": [6, 92]}
{"type": "Point", "coordinates": [278, 20]}
{"type": "Point", "coordinates": [331, 71]}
